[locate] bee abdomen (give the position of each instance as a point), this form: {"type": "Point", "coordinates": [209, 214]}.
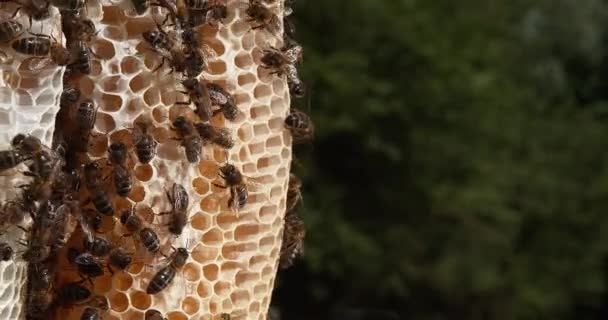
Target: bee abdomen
{"type": "Point", "coordinates": [35, 46]}
{"type": "Point", "coordinates": [161, 280]}
{"type": "Point", "coordinates": [9, 30]}
{"type": "Point", "coordinates": [103, 204]}
{"type": "Point", "coordinates": [150, 240]}
{"type": "Point", "coordinates": [10, 159]}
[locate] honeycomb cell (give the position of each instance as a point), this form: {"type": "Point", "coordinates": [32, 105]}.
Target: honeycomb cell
{"type": "Point", "coordinates": [243, 60]}
{"type": "Point", "coordinates": [191, 272]}
{"type": "Point", "coordinates": [119, 301]}
{"type": "Point", "coordinates": [262, 91]}
{"type": "Point", "coordinates": [212, 237]}
{"type": "Point", "coordinates": [203, 254]}
{"type": "Point", "coordinates": [152, 96]}
{"type": "Point", "coordinates": [210, 272]}
{"type": "Point", "coordinates": [105, 122]}
{"type": "Point", "coordinates": [140, 300]}
{"type": "Point", "coordinates": [122, 281]}
{"type": "Point", "coordinates": [110, 102]}
{"type": "Point", "coordinates": [139, 82]}
{"type": "Point", "coordinates": [246, 232]}
{"type": "Point", "coordinates": [138, 193]}
{"type": "Point", "coordinates": [111, 84]}
{"type": "Point", "coordinates": [240, 298]}
{"type": "Point", "coordinates": [144, 172]}
{"type": "Point", "coordinates": [203, 290]}
{"type": "Point", "coordinates": [210, 204]}
{"type": "Point", "coordinates": [177, 315]}
{"type": "Point", "coordinates": [201, 221]}
{"type": "Point", "coordinates": [190, 305]}
{"type": "Point", "coordinates": [222, 288]}
{"type": "Point", "coordinates": [217, 67]}
{"type": "Point", "coordinates": [245, 133]}
{"type": "Point", "coordinates": [200, 185]}
{"type": "Point", "coordinates": [275, 142]}
{"type": "Point", "coordinates": [245, 279]}
{"type": "Point", "coordinates": [267, 213]}
{"type": "Point", "coordinates": [260, 112]}
{"type": "Point", "coordinates": [246, 80]}
{"type": "Point", "coordinates": [104, 49]}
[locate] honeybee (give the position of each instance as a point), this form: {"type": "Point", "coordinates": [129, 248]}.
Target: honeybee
{"type": "Point", "coordinates": [154, 315]}
{"type": "Point", "coordinates": [85, 262]}
{"type": "Point", "coordinates": [64, 225]}
{"type": "Point", "coordinates": [211, 11]}
{"type": "Point", "coordinates": [69, 97]}
{"type": "Point", "coordinates": [219, 96]}
{"type": "Point", "coordinates": [218, 136]}
{"type": "Point", "coordinates": [72, 293]}
{"type": "Point", "coordinates": [276, 58]}
{"type": "Point", "coordinates": [122, 177]}
{"type": "Point", "coordinates": [140, 6]}
{"type": "Point", "coordinates": [34, 9]}
{"type": "Point", "coordinates": [191, 141]}
{"type": "Point", "coordinates": [199, 95]}
{"type": "Point", "coordinates": [68, 5]}
{"type": "Point", "coordinates": [118, 259]}
{"type": "Point", "coordinates": [10, 30]}
{"type": "Point", "coordinates": [12, 158]}
{"type": "Point", "coordinates": [225, 316]}
{"type": "Point", "coordinates": [90, 314]}
{"type": "Point", "coordinates": [189, 61]}
{"type": "Point", "coordinates": [6, 252]}
{"type": "Point", "coordinates": [235, 181]}
{"type": "Point", "coordinates": [75, 27]}
{"type": "Point", "coordinates": [179, 215]}
{"type": "Point", "coordinates": [263, 16]}
{"type": "Point", "coordinates": [158, 39]}
{"type": "Point", "coordinates": [85, 116]}
{"type": "Point", "coordinates": [42, 46]}
{"type": "Point", "coordinates": [147, 236]}
{"type": "Point", "coordinates": [99, 197]}
{"type": "Point", "coordinates": [145, 145]}
{"type": "Point", "coordinates": [164, 276]}
{"type": "Point", "coordinates": [11, 213]}
{"type": "Point", "coordinates": [97, 246]}
{"type": "Point", "coordinates": [294, 194]}
{"type": "Point", "coordinates": [297, 88]}
{"type": "Point", "coordinates": [301, 126]}
{"type": "Point", "coordinates": [80, 61]}
{"type": "Point", "coordinates": [294, 233]}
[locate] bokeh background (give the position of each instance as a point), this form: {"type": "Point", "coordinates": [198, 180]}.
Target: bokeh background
{"type": "Point", "coordinates": [459, 169]}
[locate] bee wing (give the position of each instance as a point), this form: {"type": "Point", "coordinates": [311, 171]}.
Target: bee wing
{"type": "Point", "coordinates": [217, 98]}
{"type": "Point", "coordinates": [274, 25]}
{"type": "Point", "coordinates": [40, 63]}
{"type": "Point", "coordinates": [294, 54]}
{"type": "Point", "coordinates": [208, 52]}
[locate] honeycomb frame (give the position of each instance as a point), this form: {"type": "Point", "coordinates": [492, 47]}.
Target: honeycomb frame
{"type": "Point", "coordinates": [234, 255]}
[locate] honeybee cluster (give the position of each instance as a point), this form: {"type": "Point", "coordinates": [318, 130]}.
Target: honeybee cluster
{"type": "Point", "coordinates": [76, 197]}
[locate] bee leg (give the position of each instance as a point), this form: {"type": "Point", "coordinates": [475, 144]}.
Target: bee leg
{"type": "Point", "coordinates": [110, 269]}
{"type": "Point", "coordinates": [220, 186]}
{"type": "Point", "coordinates": [162, 63]}
{"type": "Point", "coordinates": [15, 14]}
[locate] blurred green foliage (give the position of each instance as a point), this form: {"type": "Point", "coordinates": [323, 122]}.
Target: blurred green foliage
{"type": "Point", "coordinates": [460, 166]}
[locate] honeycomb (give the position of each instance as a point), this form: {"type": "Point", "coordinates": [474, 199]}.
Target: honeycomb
{"type": "Point", "coordinates": [233, 255]}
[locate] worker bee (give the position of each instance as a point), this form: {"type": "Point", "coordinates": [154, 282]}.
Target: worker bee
{"type": "Point", "coordinates": [296, 87]}
{"type": "Point", "coordinates": [86, 264]}
{"type": "Point", "coordinates": [99, 197]}
{"type": "Point", "coordinates": [140, 6]}
{"type": "Point", "coordinates": [293, 240]}
{"type": "Point", "coordinates": [276, 58]}
{"type": "Point", "coordinates": [6, 252]}
{"type": "Point", "coordinates": [97, 246]}
{"type": "Point", "coordinates": [235, 181]}
{"type": "Point", "coordinates": [64, 225]}
{"type": "Point", "coordinates": [263, 16]}
{"type": "Point", "coordinates": [154, 315]}
{"type": "Point", "coordinates": [90, 314]}
{"type": "Point", "coordinates": [164, 276]}
{"type": "Point", "coordinates": [12, 158]}
{"type": "Point", "coordinates": [300, 125]}
{"type": "Point", "coordinates": [75, 27]}
{"type": "Point", "coordinates": [191, 141]}
{"type": "Point", "coordinates": [34, 9]}
{"type": "Point", "coordinates": [118, 259]}
{"type": "Point", "coordinates": [85, 116]}
{"type": "Point", "coordinates": [80, 61]}
{"type": "Point", "coordinates": [217, 136]}
{"type": "Point", "coordinates": [41, 46]}
{"type": "Point", "coordinates": [10, 30]}
{"type": "Point", "coordinates": [202, 11]}
{"type": "Point", "coordinates": [147, 236]}
{"type": "Point", "coordinates": [294, 194]}
{"type": "Point", "coordinates": [72, 293]}
{"type": "Point", "coordinates": [69, 97]}
{"type": "Point", "coordinates": [158, 39]}
{"type": "Point", "coordinates": [11, 213]}
{"type": "Point", "coordinates": [179, 215]}
{"type": "Point", "coordinates": [199, 95]}
{"type": "Point", "coordinates": [122, 177]}
{"type": "Point", "coordinates": [68, 5]}
{"type": "Point", "coordinates": [145, 145]}
{"type": "Point", "coordinates": [219, 96]}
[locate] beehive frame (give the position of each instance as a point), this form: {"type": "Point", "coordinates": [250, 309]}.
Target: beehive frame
{"type": "Point", "coordinates": [234, 255]}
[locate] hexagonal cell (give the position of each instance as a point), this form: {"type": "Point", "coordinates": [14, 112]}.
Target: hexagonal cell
{"type": "Point", "coordinates": [140, 300]}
